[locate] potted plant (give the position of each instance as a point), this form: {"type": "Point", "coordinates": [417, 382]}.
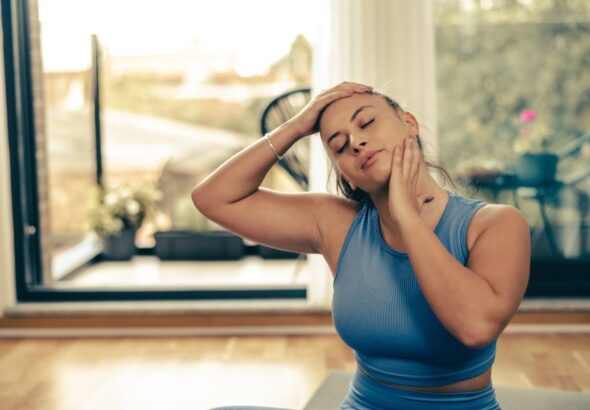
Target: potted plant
{"type": "Point", "coordinates": [535, 165]}
{"type": "Point", "coordinates": [196, 237]}
{"type": "Point", "coordinates": [115, 214]}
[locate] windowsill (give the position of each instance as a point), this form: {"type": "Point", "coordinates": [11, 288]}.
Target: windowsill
{"type": "Point", "coordinates": [569, 304]}
{"type": "Point", "coordinates": [171, 307]}
{"type": "Point", "coordinates": [148, 272]}
{"type": "Point", "coordinates": [239, 307]}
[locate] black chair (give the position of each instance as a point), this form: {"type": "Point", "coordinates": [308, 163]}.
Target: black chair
{"type": "Point", "coordinates": [279, 110]}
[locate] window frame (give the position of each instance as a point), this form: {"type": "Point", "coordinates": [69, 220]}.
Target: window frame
{"type": "Point", "coordinates": [26, 226]}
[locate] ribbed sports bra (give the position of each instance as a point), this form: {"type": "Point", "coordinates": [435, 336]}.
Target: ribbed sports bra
{"type": "Point", "coordinates": [379, 310]}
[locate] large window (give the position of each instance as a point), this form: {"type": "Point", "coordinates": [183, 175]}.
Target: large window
{"type": "Point", "coordinates": [118, 94]}
{"type": "Point", "coordinates": [514, 118]}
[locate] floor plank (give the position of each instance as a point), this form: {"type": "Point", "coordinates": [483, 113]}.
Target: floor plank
{"type": "Point", "coordinates": [204, 372]}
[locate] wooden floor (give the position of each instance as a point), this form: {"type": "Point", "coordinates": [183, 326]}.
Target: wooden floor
{"type": "Point", "coordinates": [204, 372]}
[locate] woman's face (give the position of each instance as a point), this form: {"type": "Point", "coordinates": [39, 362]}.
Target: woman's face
{"type": "Point", "coordinates": [353, 126]}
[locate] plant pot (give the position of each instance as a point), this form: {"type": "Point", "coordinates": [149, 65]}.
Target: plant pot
{"type": "Point", "coordinates": [194, 245]}
{"type": "Point", "coordinates": [120, 247]}
{"type": "Point", "coordinates": [536, 169]}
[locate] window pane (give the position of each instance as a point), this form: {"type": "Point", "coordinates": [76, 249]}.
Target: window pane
{"type": "Point", "coordinates": [182, 88]}
{"type": "Point", "coordinates": [513, 80]}
{"type": "Point", "coordinates": [61, 74]}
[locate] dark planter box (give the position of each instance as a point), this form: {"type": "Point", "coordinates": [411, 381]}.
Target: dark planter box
{"type": "Point", "coordinates": [536, 169]}
{"type": "Point", "coordinates": [266, 252]}
{"type": "Point", "coordinates": [119, 247]}
{"type": "Point", "coordinates": [194, 245]}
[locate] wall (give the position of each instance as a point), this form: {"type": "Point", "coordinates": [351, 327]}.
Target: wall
{"type": "Point", "coordinates": [7, 287]}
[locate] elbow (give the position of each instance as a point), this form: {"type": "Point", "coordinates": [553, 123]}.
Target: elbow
{"type": "Point", "coordinates": [197, 199]}
{"type": "Point", "coordinates": [478, 339]}
{"type": "Point", "coordinates": [194, 197]}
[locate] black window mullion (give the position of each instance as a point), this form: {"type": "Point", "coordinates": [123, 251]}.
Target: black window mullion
{"type": "Point", "coordinates": [21, 126]}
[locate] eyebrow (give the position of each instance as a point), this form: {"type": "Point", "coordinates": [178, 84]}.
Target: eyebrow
{"type": "Point", "coordinates": [357, 112]}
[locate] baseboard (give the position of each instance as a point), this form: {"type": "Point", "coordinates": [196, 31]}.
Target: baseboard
{"type": "Point", "coordinates": [220, 321]}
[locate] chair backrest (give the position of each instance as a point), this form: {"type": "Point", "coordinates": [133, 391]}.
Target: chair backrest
{"type": "Point", "coordinates": [279, 110]}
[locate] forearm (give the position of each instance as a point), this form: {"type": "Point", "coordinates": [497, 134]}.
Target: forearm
{"type": "Point", "coordinates": [242, 174]}
{"type": "Point", "coordinates": [460, 298]}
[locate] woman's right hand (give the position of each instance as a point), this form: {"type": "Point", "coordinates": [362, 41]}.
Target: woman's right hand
{"type": "Point", "coordinates": [305, 121]}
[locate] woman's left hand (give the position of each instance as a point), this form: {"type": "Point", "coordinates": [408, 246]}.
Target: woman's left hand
{"type": "Point", "coordinates": [404, 204]}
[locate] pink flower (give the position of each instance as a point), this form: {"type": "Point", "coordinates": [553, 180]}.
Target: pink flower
{"type": "Point", "coordinates": [528, 115]}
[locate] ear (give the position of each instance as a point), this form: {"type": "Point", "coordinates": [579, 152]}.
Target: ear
{"type": "Point", "coordinates": [411, 123]}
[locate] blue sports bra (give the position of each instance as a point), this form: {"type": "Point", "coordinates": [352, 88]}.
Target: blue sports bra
{"type": "Point", "coordinates": [379, 310]}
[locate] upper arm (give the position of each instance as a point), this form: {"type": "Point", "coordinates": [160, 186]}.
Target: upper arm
{"type": "Point", "coordinates": [283, 220]}
{"type": "Point", "coordinates": [501, 254]}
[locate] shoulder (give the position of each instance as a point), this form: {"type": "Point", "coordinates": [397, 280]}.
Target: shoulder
{"type": "Point", "coordinates": [331, 202]}
{"type": "Point", "coordinates": [502, 217]}
{"type": "Point", "coordinates": [333, 208]}
{"type": "Point", "coordinates": [334, 214]}
{"type": "Point", "coordinates": [491, 214]}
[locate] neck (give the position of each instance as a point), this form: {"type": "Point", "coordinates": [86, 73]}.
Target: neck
{"type": "Point", "coordinates": [431, 198]}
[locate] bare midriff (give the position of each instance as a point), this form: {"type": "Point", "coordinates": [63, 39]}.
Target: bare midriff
{"type": "Point", "coordinates": [476, 383]}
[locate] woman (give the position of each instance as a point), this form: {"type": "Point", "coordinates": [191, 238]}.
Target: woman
{"type": "Point", "coordinates": [425, 280]}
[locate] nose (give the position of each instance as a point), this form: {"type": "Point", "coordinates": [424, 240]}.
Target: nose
{"type": "Point", "coordinates": [356, 143]}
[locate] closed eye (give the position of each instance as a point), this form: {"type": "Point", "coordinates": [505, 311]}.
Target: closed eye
{"type": "Point", "coordinates": [341, 150]}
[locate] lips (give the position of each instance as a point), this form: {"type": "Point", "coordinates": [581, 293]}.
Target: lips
{"type": "Point", "coordinates": [369, 157]}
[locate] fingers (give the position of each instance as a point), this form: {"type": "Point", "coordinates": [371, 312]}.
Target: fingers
{"type": "Point", "coordinates": [340, 92]}
{"type": "Point", "coordinates": [355, 84]}
{"type": "Point", "coordinates": [355, 87]}
{"type": "Point", "coordinates": [406, 159]}
{"type": "Point", "coordinates": [331, 97]}
{"type": "Point", "coordinates": [335, 95]}
{"type": "Point", "coordinates": [359, 88]}
{"type": "Point", "coordinates": [415, 158]}
{"type": "Point", "coordinates": [397, 161]}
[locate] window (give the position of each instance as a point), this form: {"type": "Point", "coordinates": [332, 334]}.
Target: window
{"type": "Point", "coordinates": [514, 120]}
{"type": "Point", "coordinates": [121, 93]}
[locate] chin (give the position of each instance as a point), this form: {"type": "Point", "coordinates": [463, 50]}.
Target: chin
{"type": "Point", "coordinates": [377, 184]}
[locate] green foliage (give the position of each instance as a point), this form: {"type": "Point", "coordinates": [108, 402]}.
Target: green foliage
{"type": "Point", "coordinates": [504, 60]}
{"type": "Point", "coordinates": [112, 209]}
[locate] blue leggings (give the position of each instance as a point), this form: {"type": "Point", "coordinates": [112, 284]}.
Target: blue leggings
{"type": "Point", "coordinates": [368, 394]}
